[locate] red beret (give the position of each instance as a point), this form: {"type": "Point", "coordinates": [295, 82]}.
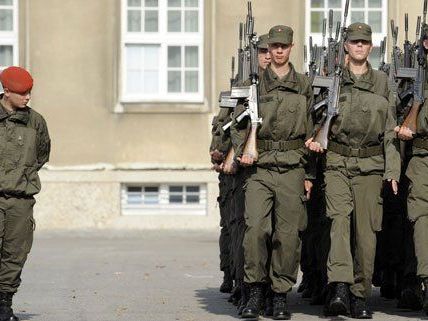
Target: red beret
{"type": "Point", "coordinates": [16, 79]}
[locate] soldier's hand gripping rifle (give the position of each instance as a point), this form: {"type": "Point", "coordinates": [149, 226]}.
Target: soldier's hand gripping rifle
{"type": "Point", "coordinates": [333, 84]}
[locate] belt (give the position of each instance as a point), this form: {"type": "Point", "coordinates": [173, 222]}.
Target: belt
{"type": "Point", "coordinates": [282, 145]}
{"type": "Point", "coordinates": [420, 143]}
{"type": "Point", "coordinates": [347, 151]}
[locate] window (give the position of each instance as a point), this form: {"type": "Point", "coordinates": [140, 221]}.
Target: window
{"type": "Point", "coordinates": [164, 199]}
{"type": "Point", "coordinates": [8, 34]}
{"type": "Point", "coordinates": [372, 12]}
{"type": "Point", "coordinates": [162, 51]}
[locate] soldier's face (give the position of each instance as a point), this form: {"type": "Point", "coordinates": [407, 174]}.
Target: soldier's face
{"type": "Point", "coordinates": [280, 53]}
{"type": "Point", "coordinates": [264, 58]}
{"type": "Point", "coordinates": [17, 100]}
{"type": "Point", "coordinates": [358, 50]}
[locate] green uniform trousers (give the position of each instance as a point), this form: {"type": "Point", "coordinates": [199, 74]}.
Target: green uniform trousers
{"type": "Point", "coordinates": [16, 237]}
{"type": "Point", "coordinates": [273, 198]}
{"type": "Point", "coordinates": [224, 200]}
{"type": "Point", "coordinates": [360, 195]}
{"type": "Point", "coordinates": [417, 205]}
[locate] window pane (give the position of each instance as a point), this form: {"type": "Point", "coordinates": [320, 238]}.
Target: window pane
{"type": "Point", "coordinates": [6, 20]}
{"type": "Point", "coordinates": [134, 189]}
{"type": "Point", "coordinates": [375, 21]}
{"type": "Point", "coordinates": [6, 55]}
{"type": "Point", "coordinates": [6, 2]}
{"type": "Point", "coordinates": [151, 21]}
{"type": "Point", "coordinates": [191, 55]}
{"type": "Point", "coordinates": [174, 57]}
{"type": "Point", "coordinates": [334, 3]}
{"type": "Point", "coordinates": [151, 3]}
{"type": "Point", "coordinates": [357, 3]}
{"type": "Point", "coordinates": [317, 3]}
{"type": "Point", "coordinates": [174, 3]}
{"type": "Point", "coordinates": [317, 21]}
{"type": "Point", "coordinates": [174, 81]}
{"type": "Point", "coordinates": [191, 82]}
{"type": "Point", "coordinates": [191, 21]}
{"type": "Point", "coordinates": [134, 3]}
{"type": "Point", "coordinates": [176, 199]}
{"type": "Point", "coordinates": [375, 3]}
{"type": "Point", "coordinates": [134, 20]}
{"type": "Point", "coordinates": [142, 68]}
{"type": "Point", "coordinates": [357, 16]}
{"type": "Point", "coordinates": [192, 198]}
{"type": "Point", "coordinates": [151, 195]}
{"type": "Point", "coordinates": [191, 3]}
{"type": "Point", "coordinates": [134, 195]}
{"type": "Point", "coordinates": [174, 21]}
{"type": "Point", "coordinates": [175, 189]}
{"type": "Point", "coordinates": [151, 189]}
{"type": "Point", "coordinates": [192, 189]}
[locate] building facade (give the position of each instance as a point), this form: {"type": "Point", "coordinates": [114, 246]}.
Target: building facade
{"type": "Point", "coordinates": [129, 89]}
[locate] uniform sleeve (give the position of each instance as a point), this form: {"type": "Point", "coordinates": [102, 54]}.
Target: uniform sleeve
{"type": "Point", "coordinates": [239, 130]}
{"type": "Point", "coordinates": [220, 139]}
{"type": "Point", "coordinates": [391, 143]}
{"type": "Point", "coordinates": [310, 167]}
{"type": "Point", "coordinates": [43, 144]}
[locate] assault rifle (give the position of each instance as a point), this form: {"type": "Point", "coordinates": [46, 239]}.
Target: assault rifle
{"type": "Point", "coordinates": [332, 84]}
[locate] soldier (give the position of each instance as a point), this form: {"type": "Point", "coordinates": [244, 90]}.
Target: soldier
{"type": "Point", "coordinates": [417, 202]}
{"type": "Point", "coordinates": [275, 185]}
{"type": "Point", "coordinates": [362, 153]}
{"type": "Point", "coordinates": [218, 150]}
{"type": "Point", "coordinates": [263, 52]}
{"type": "Point", "coordinates": [25, 148]}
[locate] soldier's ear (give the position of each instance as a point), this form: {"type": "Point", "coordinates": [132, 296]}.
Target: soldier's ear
{"type": "Point", "coordinates": [6, 92]}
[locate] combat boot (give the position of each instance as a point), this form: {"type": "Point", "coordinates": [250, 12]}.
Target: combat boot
{"type": "Point", "coordinates": [6, 312]}
{"type": "Point", "coordinates": [280, 308]}
{"type": "Point", "coordinates": [411, 297]}
{"type": "Point", "coordinates": [244, 297]}
{"type": "Point", "coordinates": [227, 285]}
{"type": "Point", "coordinates": [338, 302]}
{"type": "Point", "coordinates": [254, 306]}
{"type": "Point", "coordinates": [359, 308]}
{"type": "Point", "coordinates": [269, 303]}
{"type": "Point", "coordinates": [425, 302]}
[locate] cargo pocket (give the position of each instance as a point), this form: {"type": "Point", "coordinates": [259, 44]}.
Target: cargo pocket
{"type": "Point", "coordinates": [303, 218]}
{"type": "Point", "coordinates": [376, 217]}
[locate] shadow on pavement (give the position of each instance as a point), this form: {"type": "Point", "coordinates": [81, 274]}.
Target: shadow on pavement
{"type": "Point", "coordinates": [214, 302]}
{"type": "Point", "coordinates": [26, 316]}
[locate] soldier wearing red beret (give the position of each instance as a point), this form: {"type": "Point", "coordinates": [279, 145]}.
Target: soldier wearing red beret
{"type": "Point", "coordinates": [24, 148]}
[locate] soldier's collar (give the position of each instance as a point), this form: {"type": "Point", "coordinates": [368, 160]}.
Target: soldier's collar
{"type": "Point", "coordinates": [21, 116]}
{"type": "Point", "coordinates": [288, 83]}
{"type": "Point", "coordinates": [365, 82]}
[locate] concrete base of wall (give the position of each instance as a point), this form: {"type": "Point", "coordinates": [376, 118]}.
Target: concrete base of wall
{"type": "Point", "coordinates": [91, 198]}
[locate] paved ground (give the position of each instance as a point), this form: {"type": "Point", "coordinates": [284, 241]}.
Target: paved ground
{"type": "Point", "coordinates": [144, 276]}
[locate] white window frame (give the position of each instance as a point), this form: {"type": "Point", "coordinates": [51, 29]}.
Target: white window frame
{"type": "Point", "coordinates": [164, 207]}
{"type": "Point", "coordinates": [10, 38]}
{"type": "Point", "coordinates": [317, 37]}
{"type": "Point", "coordinates": [164, 39]}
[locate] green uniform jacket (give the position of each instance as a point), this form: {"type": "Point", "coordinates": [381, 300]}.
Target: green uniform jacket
{"type": "Point", "coordinates": [422, 129]}
{"type": "Point", "coordinates": [24, 148]}
{"type": "Point", "coordinates": [366, 119]}
{"type": "Point", "coordinates": [284, 108]}
{"type": "Point", "coordinates": [221, 139]}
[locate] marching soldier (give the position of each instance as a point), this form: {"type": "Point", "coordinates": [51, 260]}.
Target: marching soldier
{"type": "Point", "coordinates": [25, 148]}
{"type": "Point", "coordinates": [275, 185]}
{"type": "Point", "coordinates": [362, 154]}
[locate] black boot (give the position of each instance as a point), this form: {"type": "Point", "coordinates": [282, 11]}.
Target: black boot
{"type": "Point", "coordinates": [254, 306]}
{"type": "Point", "coordinates": [227, 285]}
{"type": "Point", "coordinates": [425, 302]}
{"type": "Point", "coordinates": [235, 297]}
{"type": "Point", "coordinates": [359, 308]}
{"type": "Point", "coordinates": [280, 308]}
{"type": "Point", "coordinates": [6, 312]}
{"type": "Point", "coordinates": [245, 294]}
{"type": "Point", "coordinates": [269, 303]}
{"type": "Point", "coordinates": [338, 302]}
{"type": "Point", "coordinates": [411, 297]}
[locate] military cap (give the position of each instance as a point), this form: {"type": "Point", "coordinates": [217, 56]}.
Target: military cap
{"type": "Point", "coordinates": [359, 31]}
{"type": "Point", "coordinates": [263, 42]}
{"type": "Point", "coordinates": [280, 34]}
{"type": "Point", "coordinates": [16, 79]}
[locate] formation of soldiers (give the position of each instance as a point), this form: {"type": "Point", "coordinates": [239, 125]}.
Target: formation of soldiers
{"type": "Point", "coordinates": [325, 171]}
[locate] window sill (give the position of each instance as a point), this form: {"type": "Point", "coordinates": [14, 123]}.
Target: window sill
{"type": "Point", "coordinates": [161, 108]}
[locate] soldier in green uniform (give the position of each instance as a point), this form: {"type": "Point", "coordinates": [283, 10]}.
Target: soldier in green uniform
{"type": "Point", "coordinates": [275, 185]}
{"type": "Point", "coordinates": [25, 147]}
{"type": "Point", "coordinates": [417, 202]}
{"type": "Point", "coordinates": [362, 154]}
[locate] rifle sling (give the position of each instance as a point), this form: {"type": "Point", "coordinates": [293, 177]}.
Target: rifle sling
{"type": "Point", "coordinates": [420, 143]}
{"type": "Point", "coordinates": [347, 151]}
{"type": "Point", "coordinates": [282, 145]}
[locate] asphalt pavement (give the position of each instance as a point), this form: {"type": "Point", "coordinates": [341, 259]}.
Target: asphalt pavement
{"type": "Point", "coordinates": [140, 276]}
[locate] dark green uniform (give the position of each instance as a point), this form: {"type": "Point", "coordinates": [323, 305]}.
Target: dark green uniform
{"type": "Point", "coordinates": [362, 153]}
{"type": "Point", "coordinates": [24, 148]}
{"type": "Point", "coordinates": [274, 189]}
